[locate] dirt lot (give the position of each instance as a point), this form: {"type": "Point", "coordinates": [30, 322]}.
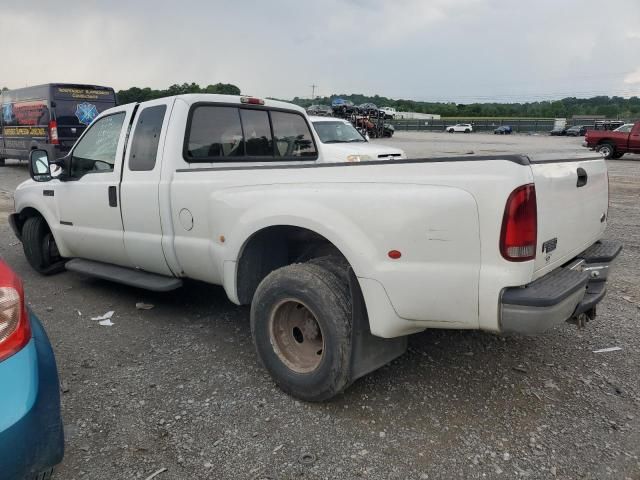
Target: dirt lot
{"type": "Point", "coordinates": [179, 386]}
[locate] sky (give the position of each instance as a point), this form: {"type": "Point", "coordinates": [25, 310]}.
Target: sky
{"type": "Point", "coordinates": [431, 50]}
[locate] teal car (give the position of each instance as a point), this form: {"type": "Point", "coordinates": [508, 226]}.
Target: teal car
{"type": "Point", "coordinates": [31, 432]}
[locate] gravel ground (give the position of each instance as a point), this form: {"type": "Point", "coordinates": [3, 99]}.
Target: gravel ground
{"type": "Point", "coordinates": [179, 387]}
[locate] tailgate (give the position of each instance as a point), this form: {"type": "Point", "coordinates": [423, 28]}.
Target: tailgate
{"type": "Point", "coordinates": [572, 196]}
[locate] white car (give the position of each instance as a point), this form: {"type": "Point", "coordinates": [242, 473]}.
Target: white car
{"type": "Point", "coordinates": [340, 261]}
{"type": "Point", "coordinates": [389, 112]}
{"type": "Point", "coordinates": [341, 142]}
{"type": "Point", "coordinates": [460, 127]}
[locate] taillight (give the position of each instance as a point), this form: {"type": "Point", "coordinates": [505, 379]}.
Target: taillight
{"type": "Point", "coordinates": [53, 133]}
{"type": "Point", "coordinates": [252, 100]}
{"type": "Point", "coordinates": [15, 331]}
{"type": "Point", "coordinates": [520, 225]}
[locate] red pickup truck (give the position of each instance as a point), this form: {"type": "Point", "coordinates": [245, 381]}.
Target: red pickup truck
{"type": "Point", "coordinates": [614, 144]}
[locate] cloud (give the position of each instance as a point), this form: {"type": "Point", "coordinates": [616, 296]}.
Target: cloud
{"type": "Point", "coordinates": [431, 50]}
{"type": "Point", "coordinates": [633, 77]}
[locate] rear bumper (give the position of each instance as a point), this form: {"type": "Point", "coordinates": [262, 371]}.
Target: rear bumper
{"type": "Point", "coordinates": [563, 294]}
{"type": "Point", "coordinates": [31, 435]}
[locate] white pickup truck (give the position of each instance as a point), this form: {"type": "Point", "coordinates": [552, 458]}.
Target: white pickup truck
{"type": "Point", "coordinates": [339, 261]}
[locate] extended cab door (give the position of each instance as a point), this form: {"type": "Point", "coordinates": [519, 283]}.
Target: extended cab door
{"type": "Point", "coordinates": [634, 138]}
{"type": "Point", "coordinates": [89, 200]}
{"type": "Point", "coordinates": [140, 187]}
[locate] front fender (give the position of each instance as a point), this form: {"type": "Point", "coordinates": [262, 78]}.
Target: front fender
{"type": "Point", "coordinates": [40, 196]}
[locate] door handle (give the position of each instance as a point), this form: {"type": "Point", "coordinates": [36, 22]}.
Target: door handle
{"type": "Point", "coordinates": [113, 196]}
{"type": "Point", "coordinates": [582, 177]}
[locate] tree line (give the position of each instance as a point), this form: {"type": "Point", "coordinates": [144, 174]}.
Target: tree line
{"type": "Point", "coordinates": [135, 94]}
{"type": "Point", "coordinates": [611, 107]}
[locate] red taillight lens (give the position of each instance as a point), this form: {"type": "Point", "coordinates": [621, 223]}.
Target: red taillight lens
{"type": "Point", "coordinates": [53, 133]}
{"type": "Point", "coordinates": [520, 225]}
{"type": "Point", "coordinates": [252, 100]}
{"type": "Point", "coordinates": [15, 331]}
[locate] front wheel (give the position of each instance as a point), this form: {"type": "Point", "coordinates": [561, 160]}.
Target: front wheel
{"type": "Point", "coordinates": [451, 130]}
{"type": "Point", "coordinates": [607, 150]}
{"type": "Point", "coordinates": [40, 247]}
{"type": "Point", "coordinates": [301, 328]}
{"type": "Point", "coordinates": [467, 130]}
{"type": "Point", "coordinates": [2, 162]}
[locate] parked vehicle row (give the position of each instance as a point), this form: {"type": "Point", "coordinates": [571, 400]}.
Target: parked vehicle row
{"type": "Point", "coordinates": [340, 261]}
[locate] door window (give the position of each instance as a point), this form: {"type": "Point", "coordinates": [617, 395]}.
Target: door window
{"type": "Point", "coordinates": [144, 147]}
{"type": "Point", "coordinates": [96, 151]}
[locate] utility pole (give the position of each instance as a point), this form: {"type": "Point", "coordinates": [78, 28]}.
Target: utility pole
{"type": "Point", "coordinates": [313, 91]}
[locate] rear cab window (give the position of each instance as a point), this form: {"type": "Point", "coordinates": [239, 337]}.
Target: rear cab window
{"type": "Point", "coordinates": [221, 133]}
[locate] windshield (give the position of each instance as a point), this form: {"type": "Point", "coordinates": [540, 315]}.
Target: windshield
{"type": "Point", "coordinates": [624, 128]}
{"type": "Point", "coordinates": [337, 132]}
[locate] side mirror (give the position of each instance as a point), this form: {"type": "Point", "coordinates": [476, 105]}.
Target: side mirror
{"type": "Point", "coordinates": [39, 167]}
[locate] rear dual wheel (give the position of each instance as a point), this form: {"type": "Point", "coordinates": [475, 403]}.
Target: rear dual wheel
{"type": "Point", "coordinates": [301, 327]}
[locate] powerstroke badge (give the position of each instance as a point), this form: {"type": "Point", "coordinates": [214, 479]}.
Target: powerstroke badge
{"type": "Point", "coordinates": [86, 112]}
{"type": "Point", "coordinates": [550, 245]}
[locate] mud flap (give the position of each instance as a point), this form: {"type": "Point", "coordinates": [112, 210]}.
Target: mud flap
{"type": "Point", "coordinates": [368, 352]}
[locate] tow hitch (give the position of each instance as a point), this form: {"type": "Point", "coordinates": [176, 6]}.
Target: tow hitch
{"type": "Point", "coordinates": [581, 319]}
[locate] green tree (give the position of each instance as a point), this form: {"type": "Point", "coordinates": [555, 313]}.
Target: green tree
{"type": "Point", "coordinates": [136, 94]}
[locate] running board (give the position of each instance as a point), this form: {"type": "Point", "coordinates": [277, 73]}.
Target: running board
{"type": "Point", "coordinates": [126, 276]}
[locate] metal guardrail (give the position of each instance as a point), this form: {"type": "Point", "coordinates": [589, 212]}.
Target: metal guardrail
{"type": "Point", "coordinates": [519, 125]}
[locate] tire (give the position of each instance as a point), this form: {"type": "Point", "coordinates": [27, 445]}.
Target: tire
{"type": "Point", "coordinates": [608, 150]}
{"type": "Point", "coordinates": [40, 247]}
{"type": "Point", "coordinates": [44, 475]}
{"type": "Point", "coordinates": [304, 303]}
{"type": "Point", "coordinates": [2, 162]}
{"type": "Point", "coordinates": [451, 130]}
{"type": "Point", "coordinates": [467, 130]}
{"type": "Point", "coordinates": [617, 155]}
